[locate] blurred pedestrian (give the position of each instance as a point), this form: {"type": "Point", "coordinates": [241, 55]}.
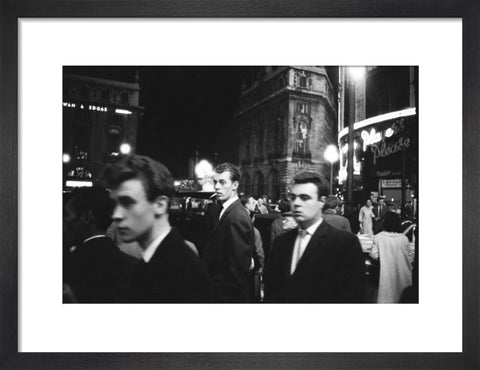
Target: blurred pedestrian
{"type": "Point", "coordinates": [261, 206]}
{"type": "Point", "coordinates": [316, 263]}
{"type": "Point", "coordinates": [258, 257]}
{"type": "Point", "coordinates": [365, 218]}
{"type": "Point", "coordinates": [283, 223]}
{"type": "Point", "coordinates": [266, 203]}
{"type": "Point", "coordinates": [391, 248]}
{"type": "Point", "coordinates": [95, 270]}
{"type": "Point", "coordinates": [169, 271]}
{"type": "Point", "coordinates": [332, 206]}
{"type": "Point", "coordinates": [230, 244]}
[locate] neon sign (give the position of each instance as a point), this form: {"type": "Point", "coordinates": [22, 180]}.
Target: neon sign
{"type": "Point", "coordinates": [370, 138]}
{"type": "Point", "coordinates": [384, 150]}
{"type": "Point", "coordinates": [97, 108]}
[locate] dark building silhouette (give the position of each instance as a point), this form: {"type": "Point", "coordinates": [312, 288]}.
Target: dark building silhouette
{"type": "Point", "coordinates": [100, 120]}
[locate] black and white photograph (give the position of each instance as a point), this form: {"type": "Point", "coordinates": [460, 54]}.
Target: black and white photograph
{"type": "Point", "coordinates": [197, 188]}
{"type": "Point", "coordinates": [240, 184]}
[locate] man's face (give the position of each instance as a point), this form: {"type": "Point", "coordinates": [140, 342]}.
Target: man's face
{"type": "Point", "coordinates": [133, 213]}
{"type": "Point", "coordinates": [225, 189]}
{"type": "Point", "coordinates": [306, 206]}
{"type": "Point", "coordinates": [382, 202]}
{"type": "Point", "coordinates": [250, 204]}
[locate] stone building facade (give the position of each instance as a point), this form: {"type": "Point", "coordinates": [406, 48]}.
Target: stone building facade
{"type": "Point", "coordinates": [286, 120]}
{"type": "Point", "coordinates": [98, 117]}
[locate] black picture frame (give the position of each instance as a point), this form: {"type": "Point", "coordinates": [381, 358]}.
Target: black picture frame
{"type": "Point", "coordinates": [11, 10]}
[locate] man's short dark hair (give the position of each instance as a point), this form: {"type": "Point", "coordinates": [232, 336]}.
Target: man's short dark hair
{"type": "Point", "coordinates": [314, 178]}
{"type": "Point", "coordinates": [95, 200]}
{"type": "Point", "coordinates": [332, 202]}
{"type": "Point", "coordinates": [244, 199]}
{"type": "Point", "coordinates": [155, 177]}
{"type": "Point", "coordinates": [391, 222]}
{"type": "Point", "coordinates": [234, 170]}
{"type": "Point", "coordinates": [284, 205]}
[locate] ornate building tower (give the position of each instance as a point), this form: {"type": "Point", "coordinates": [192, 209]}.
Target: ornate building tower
{"type": "Point", "coordinates": [286, 120]}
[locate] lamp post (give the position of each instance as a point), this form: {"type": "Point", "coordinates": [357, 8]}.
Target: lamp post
{"type": "Point", "coordinates": [331, 155]}
{"type": "Point", "coordinates": [351, 75]}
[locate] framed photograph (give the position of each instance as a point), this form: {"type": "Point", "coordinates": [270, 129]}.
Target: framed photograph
{"type": "Point", "coordinates": [38, 39]}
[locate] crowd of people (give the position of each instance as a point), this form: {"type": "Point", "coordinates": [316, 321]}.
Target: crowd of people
{"type": "Point", "coordinates": [313, 255]}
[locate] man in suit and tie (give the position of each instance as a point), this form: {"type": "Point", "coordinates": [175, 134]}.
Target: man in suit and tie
{"type": "Point", "coordinates": [169, 271]}
{"type": "Point", "coordinates": [316, 263]}
{"type": "Point", "coordinates": [229, 248]}
{"type": "Point", "coordinates": [379, 212]}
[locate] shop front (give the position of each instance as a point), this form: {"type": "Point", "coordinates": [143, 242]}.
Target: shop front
{"type": "Point", "coordinates": [385, 159]}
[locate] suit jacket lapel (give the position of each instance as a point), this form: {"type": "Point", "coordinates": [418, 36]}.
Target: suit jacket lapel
{"type": "Point", "coordinates": [219, 222]}
{"type": "Point", "coordinates": [292, 237]}
{"type": "Point", "coordinates": [314, 244]}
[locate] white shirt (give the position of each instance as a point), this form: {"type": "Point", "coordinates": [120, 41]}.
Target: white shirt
{"type": "Point", "coordinates": [147, 254]}
{"type": "Point", "coordinates": [301, 243]}
{"type": "Point", "coordinates": [226, 205]}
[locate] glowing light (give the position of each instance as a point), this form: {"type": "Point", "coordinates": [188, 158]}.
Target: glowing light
{"type": "Point", "coordinates": [125, 148]}
{"type": "Point", "coordinates": [331, 153]}
{"type": "Point", "coordinates": [204, 169]}
{"type": "Point", "coordinates": [78, 184]}
{"type": "Point", "coordinates": [371, 137]}
{"type": "Point", "coordinates": [97, 108]}
{"type": "Point", "coordinates": [356, 73]}
{"type": "Point", "coordinates": [389, 132]}
{"type": "Point", "coordinates": [378, 119]}
{"type": "Point", "coordinates": [122, 111]}
{"type": "Point", "coordinates": [66, 158]}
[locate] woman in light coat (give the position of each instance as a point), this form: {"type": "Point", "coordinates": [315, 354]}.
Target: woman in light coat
{"type": "Point", "coordinates": [392, 249]}
{"type": "Point", "coordinates": [365, 217]}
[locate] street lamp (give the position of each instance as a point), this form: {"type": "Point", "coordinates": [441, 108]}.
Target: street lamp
{"type": "Point", "coordinates": [331, 155]}
{"type": "Point", "coordinates": [125, 148]}
{"type": "Point", "coordinates": [204, 170]}
{"type": "Point", "coordinates": [66, 158]}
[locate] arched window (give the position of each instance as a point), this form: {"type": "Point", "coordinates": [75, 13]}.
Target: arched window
{"type": "Point", "coordinates": [245, 184]}
{"type": "Point", "coordinates": [273, 184]}
{"type": "Point", "coordinates": [124, 98]}
{"type": "Point", "coordinates": [258, 185]}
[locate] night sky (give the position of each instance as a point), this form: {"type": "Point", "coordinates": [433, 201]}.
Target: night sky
{"type": "Point", "coordinates": [184, 107]}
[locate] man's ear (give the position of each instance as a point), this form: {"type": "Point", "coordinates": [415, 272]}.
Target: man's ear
{"type": "Point", "coordinates": [235, 185]}
{"type": "Point", "coordinates": [162, 203]}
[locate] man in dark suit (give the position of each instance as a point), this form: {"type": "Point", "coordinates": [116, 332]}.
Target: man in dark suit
{"type": "Point", "coordinates": [379, 211]}
{"type": "Point", "coordinates": [230, 245]}
{"type": "Point", "coordinates": [169, 271]}
{"type": "Point", "coordinates": [316, 263]}
{"type": "Point", "coordinates": [95, 270]}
